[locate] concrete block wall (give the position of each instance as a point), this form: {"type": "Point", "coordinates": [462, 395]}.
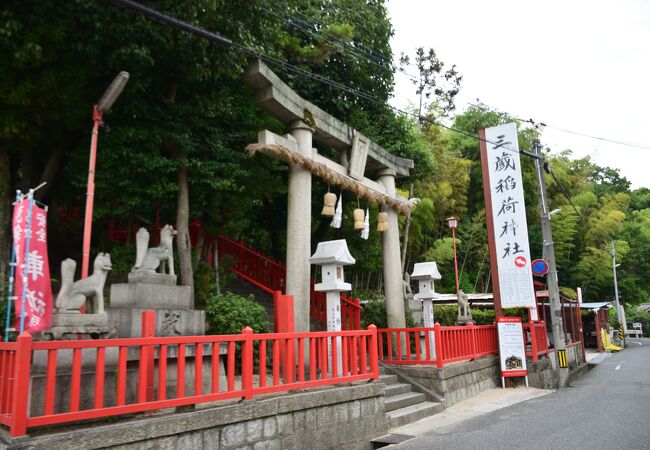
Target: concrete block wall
{"type": "Point", "coordinates": [456, 381]}
{"type": "Point", "coordinates": [340, 417]}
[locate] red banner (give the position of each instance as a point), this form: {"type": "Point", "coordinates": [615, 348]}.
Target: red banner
{"type": "Point", "coordinates": [33, 269]}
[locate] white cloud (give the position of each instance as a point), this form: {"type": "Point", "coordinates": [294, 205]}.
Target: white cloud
{"type": "Point", "coordinates": [579, 65]}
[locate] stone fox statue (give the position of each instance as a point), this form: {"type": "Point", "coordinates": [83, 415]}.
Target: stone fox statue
{"type": "Point", "coordinates": [148, 259]}
{"type": "Point", "coordinates": [463, 305]}
{"type": "Point", "coordinates": [73, 294]}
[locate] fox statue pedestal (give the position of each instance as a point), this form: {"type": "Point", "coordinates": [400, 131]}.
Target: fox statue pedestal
{"type": "Point", "coordinates": [149, 289]}
{"type": "Point", "coordinates": [173, 305]}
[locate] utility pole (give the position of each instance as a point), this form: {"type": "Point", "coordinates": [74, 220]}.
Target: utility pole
{"type": "Point", "coordinates": [618, 305]}
{"type": "Point", "coordinates": [551, 277]}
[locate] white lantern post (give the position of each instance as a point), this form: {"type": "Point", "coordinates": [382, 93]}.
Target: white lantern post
{"type": "Point", "coordinates": [425, 273]}
{"type": "Point", "coordinates": [332, 256]}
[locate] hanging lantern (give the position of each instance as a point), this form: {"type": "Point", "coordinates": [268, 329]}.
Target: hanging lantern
{"type": "Point", "coordinates": [329, 204]}
{"type": "Point", "coordinates": [382, 222]}
{"type": "Point", "coordinates": [358, 219]}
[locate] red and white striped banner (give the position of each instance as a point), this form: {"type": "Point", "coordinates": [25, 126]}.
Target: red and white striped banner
{"type": "Point", "coordinates": [32, 273]}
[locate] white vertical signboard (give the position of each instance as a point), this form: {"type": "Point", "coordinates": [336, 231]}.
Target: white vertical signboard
{"type": "Point", "coordinates": [509, 218]}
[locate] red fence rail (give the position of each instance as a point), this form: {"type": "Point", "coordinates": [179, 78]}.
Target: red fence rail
{"type": "Point", "coordinates": [148, 373]}
{"type": "Point", "coordinates": [438, 345]}
{"type": "Point", "coordinates": [269, 275]}
{"type": "Point", "coordinates": [536, 339]}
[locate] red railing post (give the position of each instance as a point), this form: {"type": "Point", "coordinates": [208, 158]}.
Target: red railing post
{"type": "Point", "coordinates": [146, 366]}
{"type": "Point", "coordinates": [373, 352]}
{"type": "Point", "coordinates": [21, 385]}
{"type": "Point", "coordinates": [533, 339]}
{"type": "Point", "coordinates": [247, 363]}
{"type": "Point", "coordinates": [357, 315]}
{"type": "Point", "coordinates": [473, 338]}
{"type": "Point", "coordinates": [438, 335]}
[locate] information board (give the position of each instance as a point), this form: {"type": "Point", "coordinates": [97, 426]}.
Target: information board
{"type": "Point", "coordinates": [512, 349]}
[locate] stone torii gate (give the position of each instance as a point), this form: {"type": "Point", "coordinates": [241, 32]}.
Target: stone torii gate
{"type": "Point", "coordinates": [305, 122]}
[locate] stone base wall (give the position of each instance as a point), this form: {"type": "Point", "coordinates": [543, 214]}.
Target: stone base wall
{"type": "Point", "coordinates": [456, 381]}
{"type": "Point", "coordinates": [341, 417]}
{"type": "Point", "coordinates": [541, 374]}
{"type": "Point", "coordinates": [462, 380]}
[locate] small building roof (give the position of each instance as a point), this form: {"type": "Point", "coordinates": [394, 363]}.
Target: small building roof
{"type": "Point", "coordinates": [596, 305]}
{"type": "Point", "coordinates": [332, 252]}
{"type": "Point", "coordinates": [426, 271]}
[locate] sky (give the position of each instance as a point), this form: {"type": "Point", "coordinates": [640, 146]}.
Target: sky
{"type": "Point", "coordinates": [578, 65]}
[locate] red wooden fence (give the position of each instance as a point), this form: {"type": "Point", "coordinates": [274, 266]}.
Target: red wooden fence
{"type": "Point", "coordinates": [413, 345]}
{"type": "Point", "coordinates": [252, 367]}
{"type": "Point", "coordinates": [269, 275]}
{"type": "Point", "coordinates": [536, 339]}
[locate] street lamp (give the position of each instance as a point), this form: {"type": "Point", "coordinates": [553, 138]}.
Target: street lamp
{"type": "Point", "coordinates": [618, 305]}
{"type": "Point", "coordinates": [452, 222]}
{"type": "Point", "coordinates": [104, 104]}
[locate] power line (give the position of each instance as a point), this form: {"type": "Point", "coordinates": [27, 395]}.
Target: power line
{"type": "Point", "coordinates": [368, 55]}
{"type": "Point", "coordinates": [486, 107]}
{"type": "Point", "coordinates": [227, 43]}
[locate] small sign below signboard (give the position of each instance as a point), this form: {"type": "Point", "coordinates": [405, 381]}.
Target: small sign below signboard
{"type": "Point", "coordinates": [512, 349]}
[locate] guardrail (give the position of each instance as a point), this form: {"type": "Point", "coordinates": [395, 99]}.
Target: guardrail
{"type": "Point", "coordinates": [438, 345]}
{"type": "Point", "coordinates": [252, 364]}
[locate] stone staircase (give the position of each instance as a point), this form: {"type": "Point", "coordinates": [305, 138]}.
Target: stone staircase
{"type": "Point", "coordinates": [402, 405]}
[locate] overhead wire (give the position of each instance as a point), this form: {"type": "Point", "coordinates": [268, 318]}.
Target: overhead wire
{"type": "Point", "coordinates": [227, 43]}
{"type": "Point", "coordinates": [369, 54]}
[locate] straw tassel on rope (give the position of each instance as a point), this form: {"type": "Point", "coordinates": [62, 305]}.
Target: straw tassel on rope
{"type": "Point", "coordinates": [382, 222]}
{"type": "Point", "coordinates": [329, 202]}
{"type": "Point", "coordinates": [358, 217]}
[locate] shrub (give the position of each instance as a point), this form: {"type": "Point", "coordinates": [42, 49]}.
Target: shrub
{"type": "Point", "coordinates": [228, 313]}
{"type": "Point", "coordinates": [204, 284]}
{"type": "Point", "coordinates": [374, 313]}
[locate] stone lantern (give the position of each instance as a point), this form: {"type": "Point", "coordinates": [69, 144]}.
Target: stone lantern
{"type": "Point", "coordinates": [425, 274]}
{"type": "Point", "coordinates": [332, 256]}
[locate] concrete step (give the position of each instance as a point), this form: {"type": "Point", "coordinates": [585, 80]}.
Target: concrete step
{"type": "Point", "coordinates": [398, 388]}
{"type": "Point", "coordinates": [400, 401]}
{"type": "Point", "coordinates": [388, 379]}
{"type": "Point", "coordinates": [413, 413]}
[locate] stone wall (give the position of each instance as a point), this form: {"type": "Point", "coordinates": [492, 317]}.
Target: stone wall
{"type": "Point", "coordinates": [341, 417]}
{"type": "Point", "coordinates": [456, 381]}
{"type": "Point", "coordinates": [541, 374]}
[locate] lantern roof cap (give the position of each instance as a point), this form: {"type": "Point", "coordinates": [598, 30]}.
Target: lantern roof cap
{"type": "Point", "coordinates": [426, 271]}
{"type": "Point", "coordinates": [332, 252]}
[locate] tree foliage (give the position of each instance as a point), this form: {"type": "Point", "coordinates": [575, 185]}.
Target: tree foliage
{"type": "Point", "coordinates": [186, 110]}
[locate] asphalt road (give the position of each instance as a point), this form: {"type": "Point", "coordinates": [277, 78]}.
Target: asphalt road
{"type": "Point", "coordinates": [608, 408]}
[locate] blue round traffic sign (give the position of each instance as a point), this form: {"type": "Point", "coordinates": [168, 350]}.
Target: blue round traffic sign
{"type": "Point", "coordinates": [539, 267]}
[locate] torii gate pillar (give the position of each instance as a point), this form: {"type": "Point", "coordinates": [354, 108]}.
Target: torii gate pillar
{"type": "Point", "coordinates": [391, 253]}
{"type": "Point", "coordinates": [299, 228]}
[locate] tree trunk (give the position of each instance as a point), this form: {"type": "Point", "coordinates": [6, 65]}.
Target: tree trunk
{"type": "Point", "coordinates": [183, 243]}
{"type": "Point", "coordinates": [5, 216]}
{"type": "Point", "coordinates": [405, 242]}
{"type": "Point", "coordinates": [50, 172]}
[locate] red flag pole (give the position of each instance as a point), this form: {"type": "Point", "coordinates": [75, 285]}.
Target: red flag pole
{"type": "Point", "coordinates": [90, 193]}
